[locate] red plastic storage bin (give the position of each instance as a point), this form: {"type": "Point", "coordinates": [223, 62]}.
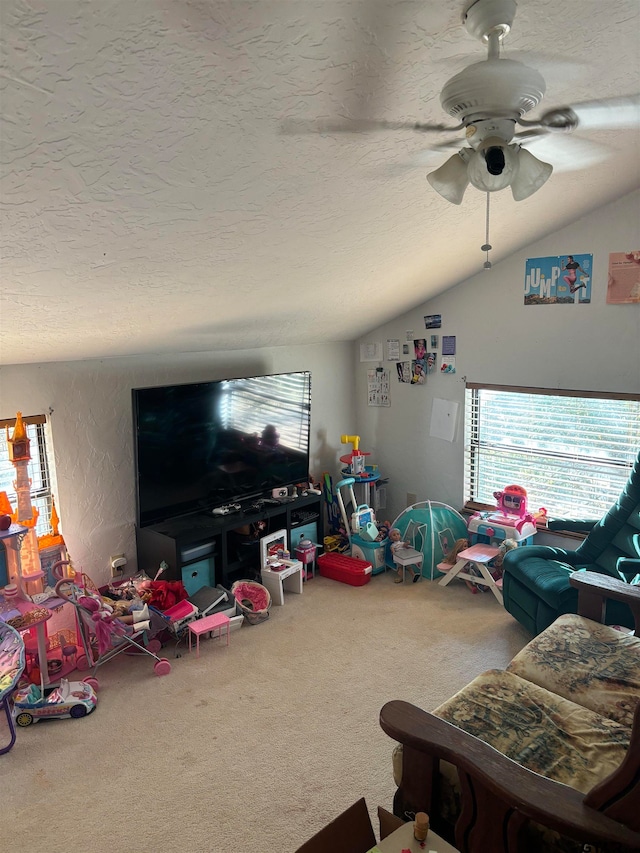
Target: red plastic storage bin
{"type": "Point", "coordinates": [345, 569]}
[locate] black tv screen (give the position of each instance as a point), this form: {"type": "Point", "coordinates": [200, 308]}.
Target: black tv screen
{"type": "Point", "coordinates": [206, 444]}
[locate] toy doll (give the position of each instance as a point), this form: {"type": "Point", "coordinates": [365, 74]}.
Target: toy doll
{"type": "Point", "coordinates": [107, 625]}
{"type": "Point", "coordinates": [383, 531]}
{"type": "Point", "coordinates": [452, 557]}
{"type": "Point", "coordinates": [398, 545]}
{"type": "Point", "coordinates": [496, 564]}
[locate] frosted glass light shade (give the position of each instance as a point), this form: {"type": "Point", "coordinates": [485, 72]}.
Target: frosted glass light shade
{"type": "Point", "coordinates": [478, 170]}
{"type": "Point", "coordinates": [532, 174]}
{"type": "Point", "coordinates": [451, 179]}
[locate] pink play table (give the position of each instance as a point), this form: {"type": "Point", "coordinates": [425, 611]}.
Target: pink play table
{"type": "Point", "coordinates": [209, 624]}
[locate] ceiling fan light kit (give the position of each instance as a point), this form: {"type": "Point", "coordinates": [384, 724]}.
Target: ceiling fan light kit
{"type": "Point", "coordinates": [493, 166]}
{"type": "Point", "coordinates": [451, 179]}
{"type": "Point", "coordinates": [531, 175]}
{"type": "Point", "coordinates": [489, 101]}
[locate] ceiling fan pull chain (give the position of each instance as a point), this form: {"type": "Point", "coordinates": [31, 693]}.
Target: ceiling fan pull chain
{"type": "Point", "coordinates": [487, 245]}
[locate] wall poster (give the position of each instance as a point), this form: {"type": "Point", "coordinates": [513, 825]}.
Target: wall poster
{"type": "Point", "coordinates": [561, 280]}
{"type": "Point", "coordinates": [378, 387]}
{"type": "Point", "coordinates": [404, 371]}
{"type": "Point", "coordinates": [623, 285]}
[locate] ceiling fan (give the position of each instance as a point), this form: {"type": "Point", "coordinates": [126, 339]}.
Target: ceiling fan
{"type": "Point", "coordinates": [489, 99]}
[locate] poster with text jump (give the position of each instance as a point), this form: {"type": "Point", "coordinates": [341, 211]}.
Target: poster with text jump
{"type": "Point", "coordinates": [561, 280]}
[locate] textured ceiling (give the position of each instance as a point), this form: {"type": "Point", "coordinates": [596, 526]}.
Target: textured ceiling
{"type": "Point", "coordinates": [152, 203]}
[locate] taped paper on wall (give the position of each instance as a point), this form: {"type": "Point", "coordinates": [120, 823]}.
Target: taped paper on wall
{"type": "Point", "coordinates": [444, 419]}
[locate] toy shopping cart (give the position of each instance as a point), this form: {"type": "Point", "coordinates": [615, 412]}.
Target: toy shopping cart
{"type": "Point", "coordinates": [103, 637]}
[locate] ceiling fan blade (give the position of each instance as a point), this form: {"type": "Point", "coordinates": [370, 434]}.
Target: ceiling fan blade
{"type": "Point", "coordinates": [567, 153]}
{"type": "Point", "coordinates": [371, 27]}
{"type": "Point", "coordinates": [604, 114]}
{"type": "Point", "coordinates": [297, 126]}
{"type": "Point", "coordinates": [549, 65]}
{"type": "Point", "coordinates": [429, 158]}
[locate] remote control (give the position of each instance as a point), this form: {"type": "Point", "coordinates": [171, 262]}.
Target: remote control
{"type": "Point", "coordinates": [225, 510]}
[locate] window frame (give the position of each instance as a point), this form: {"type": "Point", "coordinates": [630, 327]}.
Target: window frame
{"type": "Point", "coordinates": [40, 459]}
{"type": "Point", "coordinates": [472, 445]}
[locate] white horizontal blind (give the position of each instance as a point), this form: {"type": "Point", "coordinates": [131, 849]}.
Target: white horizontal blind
{"type": "Point", "coordinates": [38, 469]}
{"type": "Point", "coordinates": [573, 454]}
{"type": "Point", "coordinates": [247, 403]}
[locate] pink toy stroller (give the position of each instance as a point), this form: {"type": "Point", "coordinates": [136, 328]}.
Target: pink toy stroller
{"type": "Point", "coordinates": [11, 667]}
{"type": "Point", "coordinates": [103, 637]}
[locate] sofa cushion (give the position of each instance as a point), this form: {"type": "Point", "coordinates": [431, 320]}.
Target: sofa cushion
{"type": "Point", "coordinates": [590, 664]}
{"type": "Point", "coordinates": [544, 732]}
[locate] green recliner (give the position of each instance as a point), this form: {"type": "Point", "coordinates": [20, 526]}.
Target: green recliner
{"type": "Point", "coordinates": [536, 588]}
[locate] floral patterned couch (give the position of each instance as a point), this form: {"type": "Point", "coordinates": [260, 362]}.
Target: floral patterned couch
{"type": "Point", "coordinates": [562, 714]}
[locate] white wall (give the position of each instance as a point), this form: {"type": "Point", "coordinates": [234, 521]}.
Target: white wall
{"type": "Point", "coordinates": [501, 341]}
{"type": "Point", "coordinates": [92, 431]}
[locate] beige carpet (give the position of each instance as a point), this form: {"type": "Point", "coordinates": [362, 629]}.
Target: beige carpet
{"type": "Point", "coordinates": [254, 747]}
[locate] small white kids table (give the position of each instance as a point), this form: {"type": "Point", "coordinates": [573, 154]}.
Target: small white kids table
{"type": "Point", "coordinates": [289, 578]}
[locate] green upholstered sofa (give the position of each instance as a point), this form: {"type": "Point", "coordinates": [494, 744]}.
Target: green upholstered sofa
{"type": "Point", "coordinates": [536, 586]}
{"type": "Point", "coordinates": [543, 756]}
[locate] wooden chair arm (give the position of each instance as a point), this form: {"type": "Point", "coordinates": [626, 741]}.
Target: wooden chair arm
{"type": "Point", "coordinates": [593, 591]}
{"type": "Point", "coordinates": [498, 795]}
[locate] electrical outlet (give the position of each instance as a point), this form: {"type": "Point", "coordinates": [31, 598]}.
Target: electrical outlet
{"type": "Point", "coordinates": [411, 499]}
{"type": "Point", "coordinates": [117, 563]}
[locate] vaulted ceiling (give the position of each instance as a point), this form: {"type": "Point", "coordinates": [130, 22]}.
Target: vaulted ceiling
{"type": "Point", "coordinates": [154, 198]}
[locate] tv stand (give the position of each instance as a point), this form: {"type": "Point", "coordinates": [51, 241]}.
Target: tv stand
{"type": "Point", "coordinates": [206, 549]}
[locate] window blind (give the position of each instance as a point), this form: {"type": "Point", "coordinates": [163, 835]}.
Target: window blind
{"type": "Point", "coordinates": [571, 451]}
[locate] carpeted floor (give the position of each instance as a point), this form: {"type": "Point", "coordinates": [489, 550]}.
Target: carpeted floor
{"type": "Point", "coordinates": [253, 747]}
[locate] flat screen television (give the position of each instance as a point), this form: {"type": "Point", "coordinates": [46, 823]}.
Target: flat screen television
{"type": "Point", "coordinates": [202, 445]}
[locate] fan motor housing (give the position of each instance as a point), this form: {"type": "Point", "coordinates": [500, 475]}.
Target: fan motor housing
{"type": "Point", "coordinates": [493, 88]}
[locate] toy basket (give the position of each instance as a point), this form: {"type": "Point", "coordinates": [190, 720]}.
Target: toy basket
{"type": "Point", "coordinates": [253, 599]}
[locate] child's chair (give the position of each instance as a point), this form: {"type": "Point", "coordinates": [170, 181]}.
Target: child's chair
{"type": "Point", "coordinates": [68, 650]}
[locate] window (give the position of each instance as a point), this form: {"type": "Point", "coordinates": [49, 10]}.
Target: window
{"type": "Point", "coordinates": [571, 450]}
{"type": "Point", "coordinates": [38, 469]}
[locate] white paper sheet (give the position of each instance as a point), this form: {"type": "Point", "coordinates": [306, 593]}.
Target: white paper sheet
{"type": "Point", "coordinates": [444, 419]}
